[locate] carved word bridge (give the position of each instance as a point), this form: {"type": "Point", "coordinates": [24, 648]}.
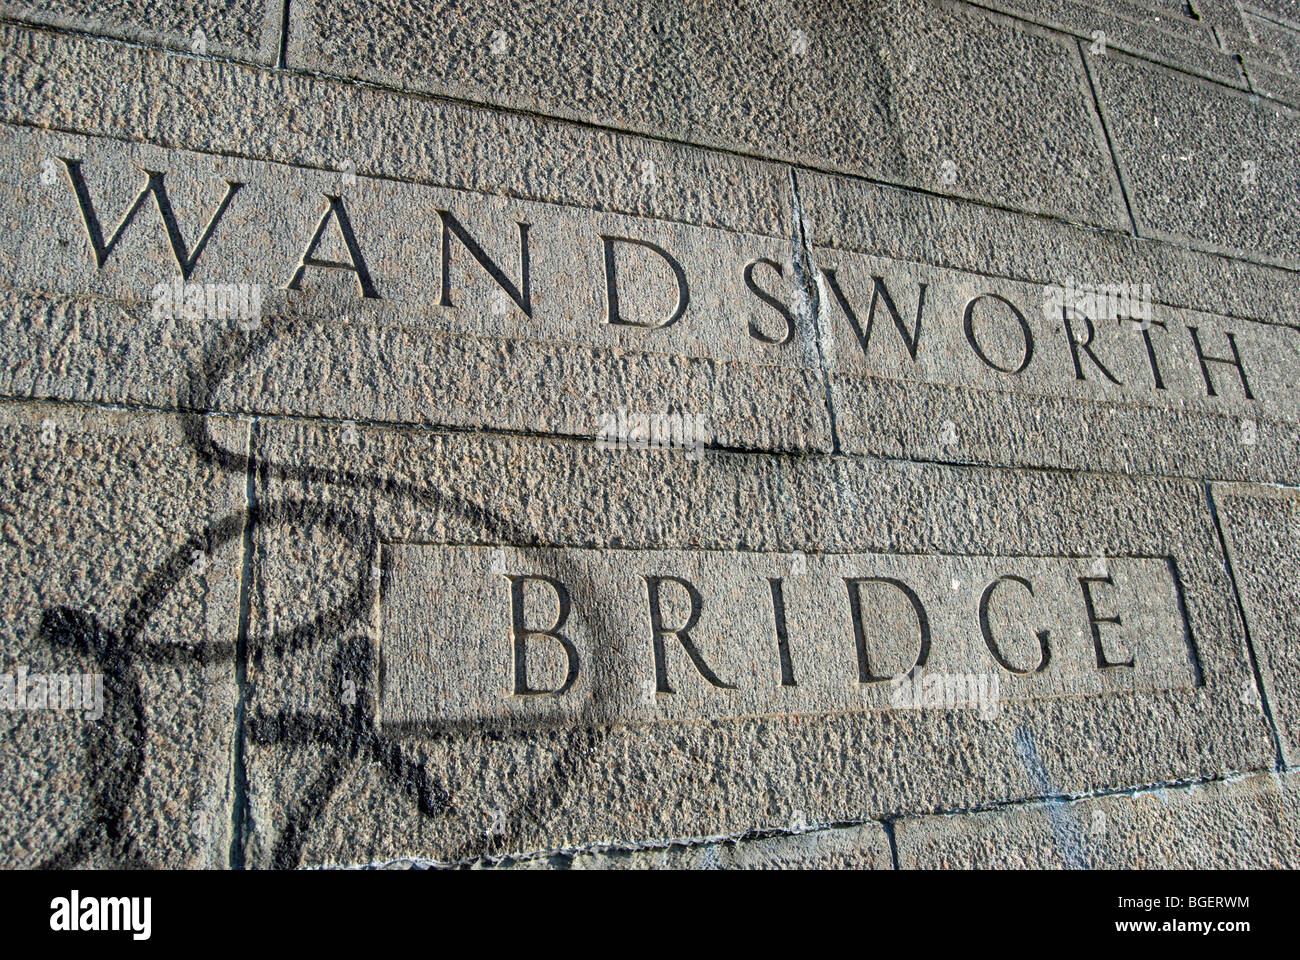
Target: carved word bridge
{"type": "Point", "coordinates": [486, 634]}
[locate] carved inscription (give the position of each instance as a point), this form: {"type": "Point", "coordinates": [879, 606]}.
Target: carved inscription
{"type": "Point", "coordinates": [939, 326]}
{"type": "Point", "coordinates": [488, 266]}
{"type": "Point", "coordinates": [474, 634]}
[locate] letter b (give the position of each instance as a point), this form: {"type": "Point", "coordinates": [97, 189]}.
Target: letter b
{"type": "Point", "coordinates": [520, 633]}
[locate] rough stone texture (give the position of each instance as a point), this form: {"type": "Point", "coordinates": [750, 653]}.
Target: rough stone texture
{"type": "Point", "coordinates": [287, 539]}
{"type": "Point", "coordinates": [103, 514]}
{"type": "Point", "coordinates": [399, 355]}
{"type": "Point", "coordinates": [1013, 389]}
{"type": "Point", "coordinates": [244, 29]}
{"type": "Point", "coordinates": [48, 82]}
{"type": "Point", "coordinates": [1286, 11]}
{"type": "Point", "coordinates": [1273, 83]}
{"type": "Point", "coordinates": [891, 90]}
{"type": "Point", "coordinates": [463, 794]}
{"type": "Point", "coordinates": [1181, 144]}
{"type": "Point", "coordinates": [1273, 62]}
{"type": "Point", "coordinates": [1174, 40]}
{"type": "Point", "coordinates": [1261, 526]}
{"type": "Point", "coordinates": [1241, 823]}
{"type": "Point", "coordinates": [1284, 40]}
{"type": "Point", "coordinates": [1223, 16]}
{"type": "Point", "coordinates": [864, 847]}
{"type": "Point", "coordinates": [445, 610]}
{"type": "Point", "coordinates": [209, 105]}
{"type": "Point", "coordinates": [854, 215]}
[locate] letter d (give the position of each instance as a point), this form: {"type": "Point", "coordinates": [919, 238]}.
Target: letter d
{"type": "Point", "coordinates": [611, 283]}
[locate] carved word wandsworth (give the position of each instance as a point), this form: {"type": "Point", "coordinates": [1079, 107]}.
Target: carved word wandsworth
{"type": "Point", "coordinates": [545, 272]}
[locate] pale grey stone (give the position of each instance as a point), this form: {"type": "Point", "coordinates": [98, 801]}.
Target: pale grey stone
{"type": "Point", "coordinates": [1226, 17]}
{"type": "Point", "coordinates": [328, 784]}
{"type": "Point", "coordinates": [985, 370]}
{"type": "Point", "coordinates": [243, 29]}
{"type": "Point", "coordinates": [862, 217]}
{"type": "Point", "coordinates": [901, 91]}
{"type": "Point", "coordinates": [1255, 57]}
{"type": "Point", "coordinates": [1249, 43]}
{"type": "Point", "coordinates": [1283, 40]}
{"type": "Point", "coordinates": [1174, 40]}
{"type": "Point", "coordinates": [546, 356]}
{"type": "Point", "coordinates": [355, 688]}
{"type": "Point", "coordinates": [760, 650]}
{"type": "Point", "coordinates": [916, 420]}
{"type": "Point", "coordinates": [862, 847]}
{"type": "Point", "coordinates": [1165, 17]}
{"type": "Point", "coordinates": [411, 360]}
{"type": "Point", "coordinates": [242, 111]}
{"type": "Point", "coordinates": [1286, 11]}
{"type": "Point", "coordinates": [1182, 145]}
{"type": "Point", "coordinates": [1272, 83]}
{"type": "Point", "coordinates": [48, 83]}
{"type": "Point", "coordinates": [1240, 823]}
{"type": "Point", "coordinates": [1261, 526]}
{"type": "Point", "coordinates": [104, 515]}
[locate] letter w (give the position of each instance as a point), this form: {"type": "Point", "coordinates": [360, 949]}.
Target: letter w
{"type": "Point", "coordinates": [878, 291]}
{"type": "Point", "coordinates": [185, 260]}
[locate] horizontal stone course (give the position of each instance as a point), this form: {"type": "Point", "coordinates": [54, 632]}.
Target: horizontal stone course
{"type": "Point", "coordinates": [122, 555]}
{"type": "Point", "coordinates": [223, 108]}
{"type": "Point", "coordinates": [396, 135]}
{"type": "Point", "coordinates": [1261, 527]}
{"type": "Point", "coordinates": [1242, 823]}
{"type": "Point", "coordinates": [862, 217]}
{"type": "Point", "coordinates": [1192, 180]}
{"type": "Point", "coordinates": [934, 364]}
{"type": "Point", "coordinates": [950, 616]}
{"type": "Point", "coordinates": [924, 94]}
{"type": "Point", "coordinates": [1277, 38]}
{"type": "Point", "coordinates": [1276, 84]}
{"type": "Point", "coordinates": [1173, 40]}
{"type": "Point", "coordinates": [442, 307]}
{"type": "Point", "coordinates": [243, 29]}
{"type": "Point", "coordinates": [437, 795]}
{"type": "Point", "coordinates": [862, 847]}
{"type": "Point", "coordinates": [1285, 11]}
{"type": "Point", "coordinates": [432, 318]}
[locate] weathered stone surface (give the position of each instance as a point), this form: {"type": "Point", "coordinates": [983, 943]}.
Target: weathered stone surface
{"type": "Point", "coordinates": [862, 847]}
{"type": "Point", "coordinates": [1222, 15]}
{"type": "Point", "coordinates": [122, 553]}
{"type": "Point", "coordinates": [470, 355]}
{"type": "Point", "coordinates": [1247, 822]}
{"type": "Point", "coordinates": [1174, 40]}
{"type": "Point", "coordinates": [1280, 39]}
{"type": "Point", "coordinates": [209, 105]}
{"type": "Point", "coordinates": [1267, 46]}
{"type": "Point", "coordinates": [752, 634]}
{"type": "Point", "coordinates": [963, 367]}
{"type": "Point", "coordinates": [1261, 526]}
{"type": "Point", "coordinates": [321, 582]}
{"type": "Point", "coordinates": [1274, 83]}
{"type": "Point", "coordinates": [1184, 148]}
{"type": "Point", "coordinates": [537, 317]}
{"type": "Point", "coordinates": [608, 436]}
{"type": "Point", "coordinates": [850, 214]}
{"type": "Point", "coordinates": [244, 29]}
{"type": "Point", "coordinates": [48, 82]}
{"type": "Point", "coordinates": [931, 95]}
{"type": "Point", "coordinates": [1287, 11]}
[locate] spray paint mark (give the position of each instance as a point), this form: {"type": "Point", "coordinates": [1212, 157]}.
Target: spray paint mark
{"type": "Point", "coordinates": [1064, 830]}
